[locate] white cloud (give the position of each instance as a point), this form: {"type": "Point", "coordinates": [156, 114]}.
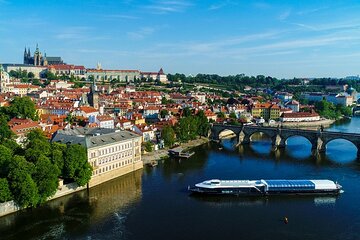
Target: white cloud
{"type": "Point", "coordinates": [163, 7]}
{"type": "Point", "coordinates": [221, 4]}
{"type": "Point", "coordinates": [284, 15]}
{"type": "Point", "coordinates": [141, 33]}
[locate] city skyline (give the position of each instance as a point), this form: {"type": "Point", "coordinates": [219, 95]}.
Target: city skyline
{"type": "Point", "coordinates": [307, 39]}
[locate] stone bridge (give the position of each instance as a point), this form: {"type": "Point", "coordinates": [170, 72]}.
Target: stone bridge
{"type": "Point", "coordinates": [356, 110]}
{"type": "Point", "coordinates": [318, 139]}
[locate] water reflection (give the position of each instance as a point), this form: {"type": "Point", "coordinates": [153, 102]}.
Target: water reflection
{"type": "Point", "coordinates": [231, 201]}
{"type": "Point", "coordinates": [299, 147]}
{"type": "Point", "coordinates": [73, 215]}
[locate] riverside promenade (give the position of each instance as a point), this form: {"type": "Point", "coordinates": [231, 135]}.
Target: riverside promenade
{"type": "Point", "coordinates": [162, 153]}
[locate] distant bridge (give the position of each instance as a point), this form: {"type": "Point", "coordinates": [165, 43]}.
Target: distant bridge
{"type": "Point", "coordinates": [317, 138]}
{"type": "Point", "coordinates": [356, 110]}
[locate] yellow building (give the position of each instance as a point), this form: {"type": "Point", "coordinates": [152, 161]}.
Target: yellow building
{"type": "Point", "coordinates": [266, 111]}
{"type": "Point", "coordinates": [274, 112]}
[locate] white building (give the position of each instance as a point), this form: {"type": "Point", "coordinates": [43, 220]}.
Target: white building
{"type": "Point", "coordinates": [159, 76]}
{"type": "Point", "coordinates": [293, 105]}
{"type": "Point", "coordinates": [111, 153]}
{"type": "Point", "coordinates": [4, 79]}
{"type": "Point", "coordinates": [38, 71]}
{"type": "Point", "coordinates": [335, 98]}
{"type": "Point", "coordinates": [105, 121]}
{"type": "Point", "coordinates": [300, 117]}
{"type": "Point", "coordinates": [147, 132]}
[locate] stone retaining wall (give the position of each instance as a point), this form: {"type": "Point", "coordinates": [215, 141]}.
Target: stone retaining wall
{"type": "Point", "coordinates": [10, 207]}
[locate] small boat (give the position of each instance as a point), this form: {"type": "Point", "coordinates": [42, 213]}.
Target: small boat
{"type": "Point", "coordinates": [220, 148]}
{"type": "Point", "coordinates": [180, 153]}
{"type": "Point", "coordinates": [152, 163]}
{"type": "Point", "coordinates": [266, 187]}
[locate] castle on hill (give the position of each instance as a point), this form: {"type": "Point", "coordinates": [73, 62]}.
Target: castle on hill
{"type": "Point", "coordinates": [38, 59]}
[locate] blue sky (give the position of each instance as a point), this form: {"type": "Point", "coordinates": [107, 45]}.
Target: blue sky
{"type": "Point", "coordinates": [283, 39]}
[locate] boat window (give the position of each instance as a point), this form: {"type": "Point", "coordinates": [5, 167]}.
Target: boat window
{"type": "Point", "coordinates": [215, 182]}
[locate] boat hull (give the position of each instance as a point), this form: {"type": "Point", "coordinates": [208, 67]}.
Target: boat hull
{"type": "Point", "coordinates": [250, 192]}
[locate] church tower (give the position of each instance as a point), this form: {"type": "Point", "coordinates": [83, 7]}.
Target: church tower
{"type": "Point", "coordinates": [93, 96]}
{"type": "Point", "coordinates": [25, 56]}
{"type": "Point", "coordinates": [37, 56]}
{"type": "Point", "coordinates": [4, 79]}
{"type": "Point", "coordinates": [45, 61]}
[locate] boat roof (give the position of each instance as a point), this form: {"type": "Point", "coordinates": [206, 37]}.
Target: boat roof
{"type": "Point", "coordinates": [289, 183]}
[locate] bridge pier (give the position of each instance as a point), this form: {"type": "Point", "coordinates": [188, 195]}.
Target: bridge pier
{"type": "Point", "coordinates": [319, 145]}
{"type": "Point", "coordinates": [279, 141]}
{"type": "Point", "coordinates": [244, 138]}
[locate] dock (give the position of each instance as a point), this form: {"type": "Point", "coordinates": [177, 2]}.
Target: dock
{"type": "Point", "coordinates": [180, 153]}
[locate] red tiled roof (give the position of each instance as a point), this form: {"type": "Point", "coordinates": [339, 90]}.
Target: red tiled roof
{"type": "Point", "coordinates": [88, 109]}
{"type": "Point", "coordinates": [103, 70]}
{"type": "Point", "coordinates": [300, 114]}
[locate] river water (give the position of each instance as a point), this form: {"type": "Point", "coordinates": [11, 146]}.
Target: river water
{"type": "Point", "coordinates": [153, 203]}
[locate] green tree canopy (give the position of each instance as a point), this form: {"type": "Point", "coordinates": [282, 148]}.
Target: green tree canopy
{"type": "Point", "coordinates": [186, 112]}
{"type": "Point", "coordinates": [168, 134]}
{"type": "Point", "coordinates": [203, 124]}
{"type": "Point", "coordinates": [76, 165]}
{"type": "Point", "coordinates": [148, 146]}
{"type": "Point", "coordinates": [220, 115]}
{"type": "Point", "coordinates": [5, 158]}
{"type": "Point", "coordinates": [5, 193]}
{"type": "Point", "coordinates": [5, 132]}
{"type": "Point", "coordinates": [233, 115]}
{"type": "Point", "coordinates": [163, 113]}
{"type": "Point", "coordinates": [46, 178]}
{"type": "Point", "coordinates": [36, 145]}
{"type": "Point", "coordinates": [22, 185]}
{"type": "Point", "coordinates": [22, 107]}
{"type": "Point", "coordinates": [57, 155]}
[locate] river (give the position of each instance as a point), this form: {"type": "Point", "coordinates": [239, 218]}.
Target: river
{"type": "Point", "coordinates": [153, 203]}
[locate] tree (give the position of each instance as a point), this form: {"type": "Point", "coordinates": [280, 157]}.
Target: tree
{"type": "Point", "coordinates": [22, 107]}
{"type": "Point", "coordinates": [5, 158]}
{"type": "Point", "coordinates": [30, 75]}
{"type": "Point", "coordinates": [186, 129]}
{"type": "Point", "coordinates": [148, 146]}
{"type": "Point", "coordinates": [46, 178]}
{"type": "Point", "coordinates": [5, 193]}
{"type": "Point", "coordinates": [57, 155]}
{"type": "Point", "coordinates": [36, 82]}
{"type": "Point", "coordinates": [233, 115]}
{"type": "Point", "coordinates": [76, 165]}
{"type": "Point", "coordinates": [168, 134]}
{"type": "Point", "coordinates": [186, 112]}
{"type": "Point", "coordinates": [203, 124]}
{"type": "Point", "coordinates": [163, 113]}
{"type": "Point", "coordinates": [220, 115]}
{"type": "Point", "coordinates": [36, 145]}
{"type": "Point", "coordinates": [5, 132]}
{"type": "Point", "coordinates": [50, 76]}
{"type": "Point", "coordinates": [11, 144]}
{"type": "Point", "coordinates": [22, 185]}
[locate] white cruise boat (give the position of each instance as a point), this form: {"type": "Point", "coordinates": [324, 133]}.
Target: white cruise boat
{"type": "Point", "coordinates": [266, 187]}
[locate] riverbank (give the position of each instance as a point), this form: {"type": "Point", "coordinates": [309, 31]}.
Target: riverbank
{"type": "Point", "coordinates": [163, 153]}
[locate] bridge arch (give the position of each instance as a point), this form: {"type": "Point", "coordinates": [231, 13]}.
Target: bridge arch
{"type": "Point", "coordinates": [218, 129]}
{"type": "Point", "coordinates": [298, 146]}
{"type": "Point", "coordinates": [248, 133]}
{"type": "Point", "coordinates": [343, 139]}
{"type": "Point", "coordinates": [341, 150]}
